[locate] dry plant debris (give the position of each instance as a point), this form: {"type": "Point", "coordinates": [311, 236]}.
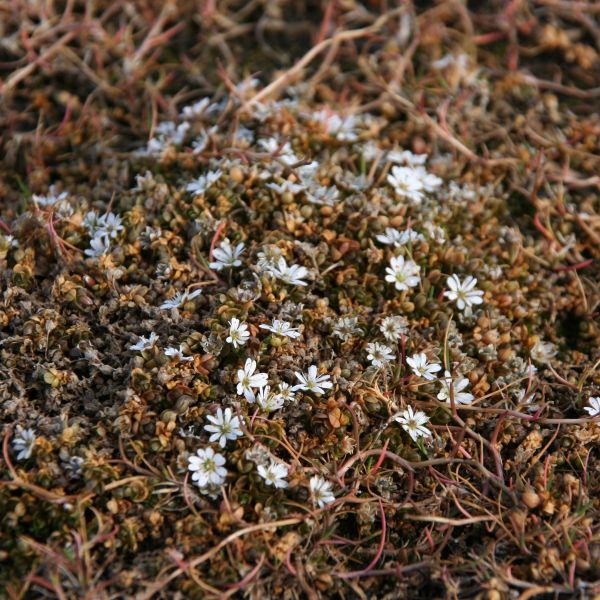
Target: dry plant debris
{"type": "Point", "coordinates": [300, 300]}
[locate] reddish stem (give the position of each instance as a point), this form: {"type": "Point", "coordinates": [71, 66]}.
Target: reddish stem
{"type": "Point", "coordinates": [380, 459]}
{"type": "Point", "coordinates": [575, 267]}
{"type": "Point", "coordinates": [213, 242]}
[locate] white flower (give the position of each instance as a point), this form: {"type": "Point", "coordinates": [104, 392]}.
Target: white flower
{"type": "Point", "coordinates": [286, 392]}
{"type": "Point", "coordinates": [435, 232]}
{"type": "Point", "coordinates": [145, 342]}
{"type": "Point", "coordinates": [410, 236]}
{"type": "Point", "coordinates": [543, 352]}
{"type": "Point", "coordinates": [406, 157]}
{"type": "Point", "coordinates": [224, 426]}
{"type": "Point", "coordinates": [422, 367]}
{"type": "Point", "coordinates": [312, 382]}
{"type": "Point", "coordinates": [320, 491]}
{"type": "Point", "coordinates": [455, 388]}
{"type": "Point", "coordinates": [308, 172]}
{"type": "Point", "coordinates": [391, 236]}
{"type": "Point", "coordinates": [286, 187]}
{"type": "Point", "coordinates": [463, 293]}
{"type": "Point", "coordinates": [346, 328]}
{"type": "Point", "coordinates": [399, 238]}
{"type": "Point", "coordinates": [248, 379]}
{"type": "Point", "coordinates": [379, 354]}
{"type": "Point", "coordinates": [178, 353]}
{"type": "Point", "coordinates": [51, 199]}
{"type": "Point", "coordinates": [196, 109]}
{"type": "Point", "coordinates": [403, 274]}
{"type": "Point", "coordinates": [268, 401]}
{"type": "Point", "coordinates": [320, 194]}
{"type": "Point", "coordinates": [274, 474]}
{"type": "Point", "coordinates": [179, 299]}
{"type": "Point", "coordinates": [407, 183]}
{"type": "Point", "coordinates": [594, 406]}
{"type": "Point", "coordinates": [282, 328]}
{"type": "Point", "coordinates": [430, 181]}
{"type": "Point", "coordinates": [170, 133]}
{"type": "Point", "coordinates": [292, 274]}
{"type": "Point", "coordinates": [342, 128]}
{"type": "Point", "coordinates": [268, 258]}
{"type": "Point", "coordinates": [204, 182]}
{"type": "Point", "coordinates": [281, 151]}
{"type": "Point", "coordinates": [226, 255]}
{"type": "Point", "coordinates": [393, 327]}
{"type": "Point", "coordinates": [413, 423]}
{"type": "Point", "coordinates": [109, 225]}
{"type": "Point", "coordinates": [238, 333]}
{"type": "Point", "coordinates": [24, 442]}
{"type": "Point", "coordinates": [207, 467]}
{"type": "Point", "coordinates": [11, 241]}
{"type": "Point", "coordinates": [99, 246]}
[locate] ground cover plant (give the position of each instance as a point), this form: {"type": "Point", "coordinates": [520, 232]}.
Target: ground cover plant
{"type": "Point", "coordinates": [300, 300]}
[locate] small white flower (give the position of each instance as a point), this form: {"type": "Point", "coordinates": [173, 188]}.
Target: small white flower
{"type": "Point", "coordinates": [308, 172]}
{"type": "Point", "coordinates": [393, 327]}
{"type": "Point", "coordinates": [224, 426]}
{"type": "Point", "coordinates": [286, 392]}
{"type": "Point", "coordinates": [178, 353]}
{"type": "Point", "coordinates": [274, 474]}
{"type": "Point", "coordinates": [268, 401]}
{"type": "Point", "coordinates": [422, 367]}
{"type": "Point", "coordinates": [399, 238]}
{"type": "Point", "coordinates": [379, 354]}
{"type": "Point", "coordinates": [24, 442]}
{"type": "Point", "coordinates": [238, 333]}
{"type": "Point", "coordinates": [312, 382]}
{"type": "Point", "coordinates": [594, 406]}
{"type": "Point", "coordinates": [283, 152]}
{"type": "Point", "coordinates": [204, 182]}
{"type": "Point", "coordinates": [413, 422]}
{"type": "Point", "coordinates": [404, 274]}
{"type": "Point", "coordinates": [226, 255]}
{"type": "Point", "coordinates": [406, 157]}
{"type": "Point", "coordinates": [435, 232]}
{"type": "Point", "coordinates": [248, 379]}
{"type": "Point", "coordinates": [292, 274]}
{"type": "Point", "coordinates": [109, 225]}
{"type": "Point", "coordinates": [321, 492]}
{"type": "Point", "coordinates": [391, 236]}
{"type": "Point", "coordinates": [455, 388]}
{"type": "Point", "coordinates": [51, 198]}
{"type": "Point", "coordinates": [169, 133]}
{"type": "Point", "coordinates": [11, 241]}
{"type": "Point", "coordinates": [346, 328]}
{"type": "Point", "coordinates": [407, 183]}
{"type": "Point", "coordinates": [179, 299]}
{"type": "Point", "coordinates": [325, 196]}
{"type": "Point", "coordinates": [543, 352]}
{"type": "Point", "coordinates": [286, 187]}
{"type": "Point", "coordinates": [463, 293]}
{"type": "Point", "coordinates": [268, 258]}
{"type": "Point", "coordinates": [99, 246]}
{"type": "Point", "coordinates": [430, 181]}
{"type": "Point", "coordinates": [342, 128]}
{"type": "Point", "coordinates": [145, 342]}
{"type": "Point", "coordinates": [207, 467]}
{"type": "Point", "coordinates": [282, 328]}
{"type": "Point", "coordinates": [196, 109]}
